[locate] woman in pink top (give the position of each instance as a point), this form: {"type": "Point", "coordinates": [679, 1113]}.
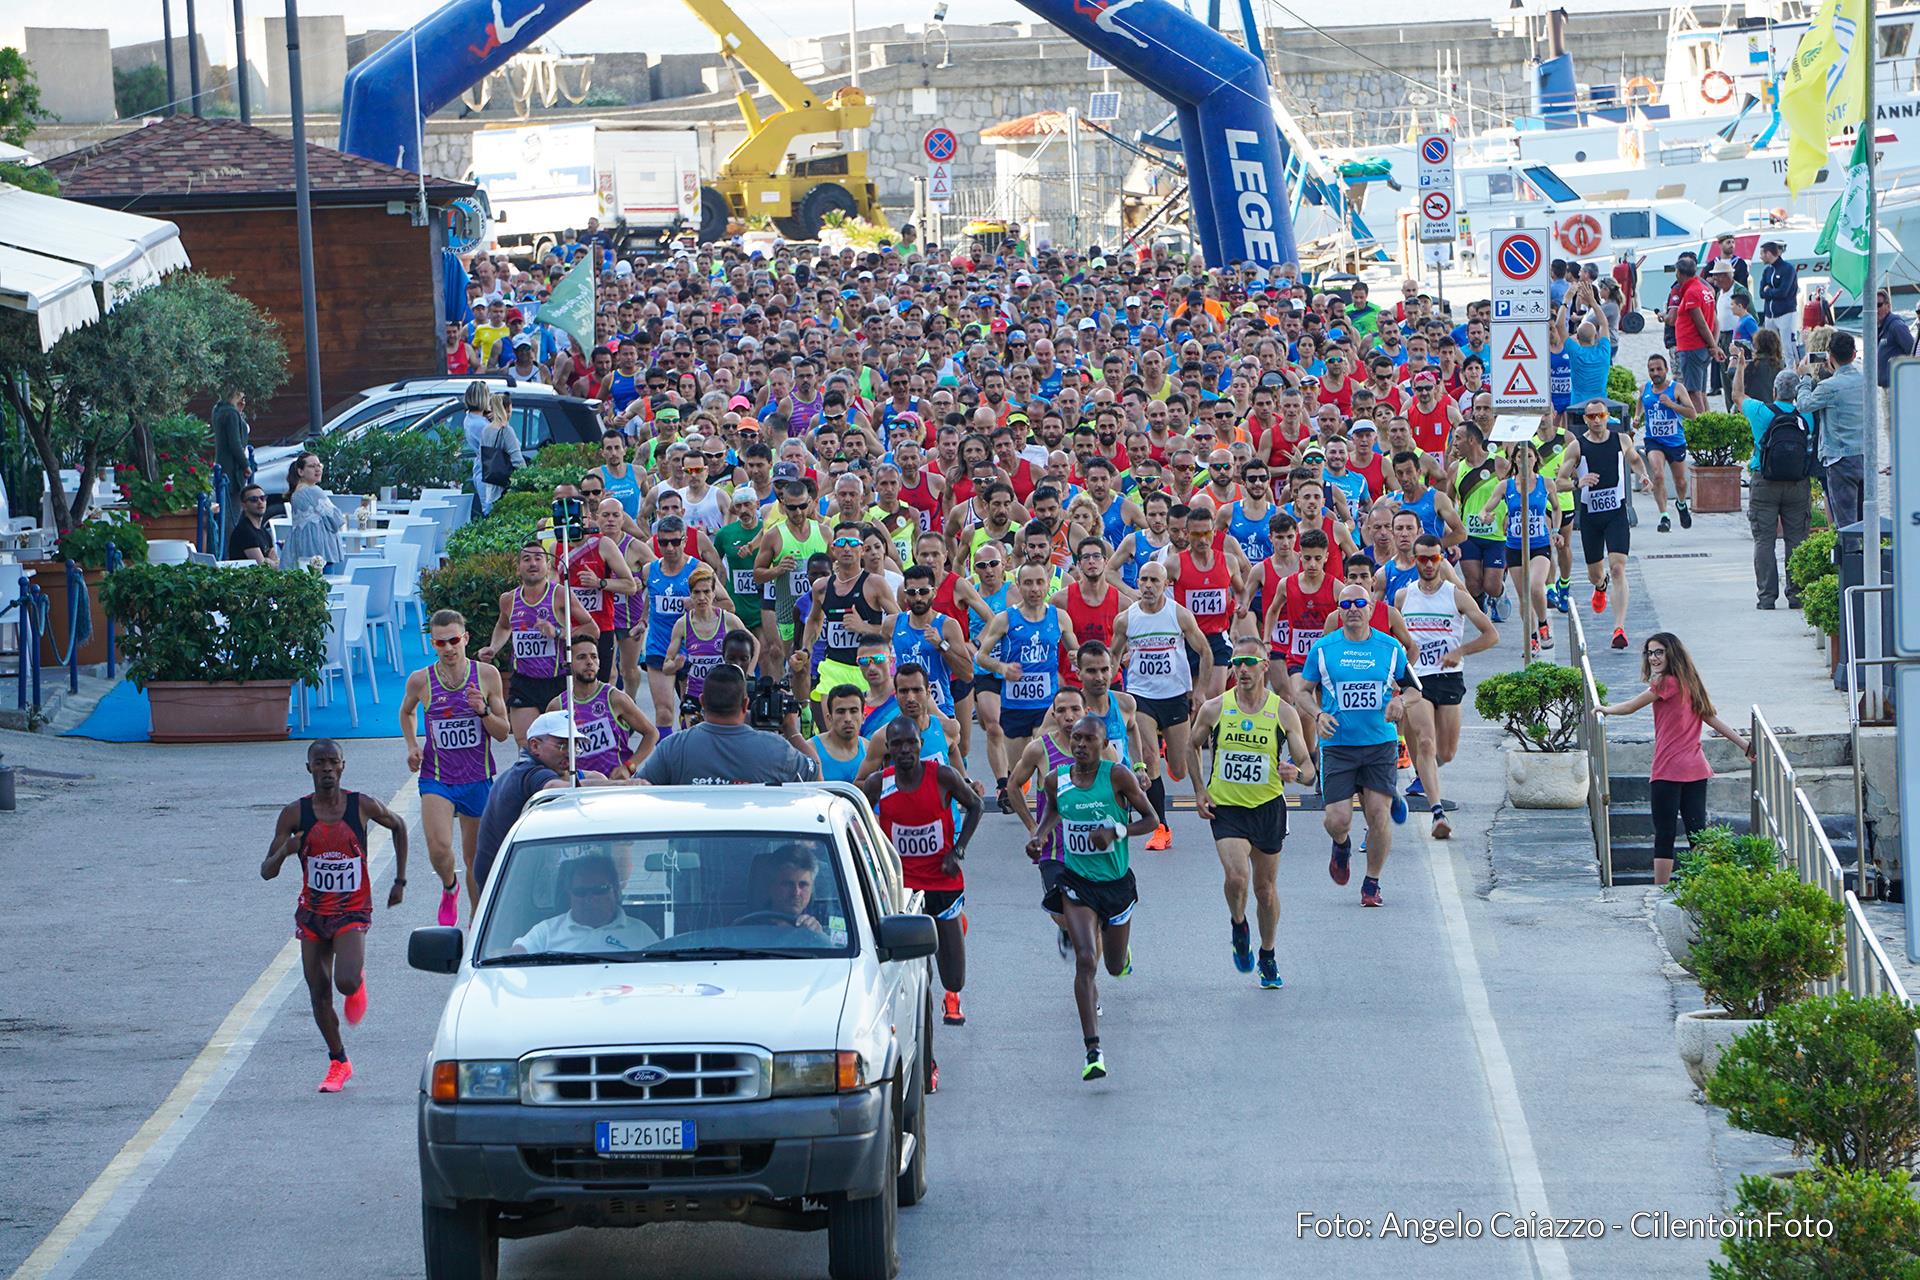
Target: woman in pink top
{"type": "Point", "coordinates": [1680, 769]}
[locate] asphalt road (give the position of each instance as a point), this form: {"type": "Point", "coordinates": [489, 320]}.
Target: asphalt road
{"type": "Point", "coordinates": [1497, 1039]}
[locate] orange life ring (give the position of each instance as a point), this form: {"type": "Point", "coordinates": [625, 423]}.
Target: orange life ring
{"type": "Point", "coordinates": [1580, 235]}
{"type": "Point", "coordinates": [1720, 78]}
{"type": "Point", "coordinates": [1642, 82]}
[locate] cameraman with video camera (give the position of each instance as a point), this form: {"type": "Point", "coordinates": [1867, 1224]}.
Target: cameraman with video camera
{"type": "Point", "coordinates": [724, 748]}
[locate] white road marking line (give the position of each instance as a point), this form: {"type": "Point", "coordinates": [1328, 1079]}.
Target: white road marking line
{"type": "Point", "coordinates": [1509, 1116]}
{"type": "Point", "coordinates": [100, 1210]}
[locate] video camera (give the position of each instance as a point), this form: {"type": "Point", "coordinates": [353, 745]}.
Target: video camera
{"type": "Point", "coordinates": [770, 702]}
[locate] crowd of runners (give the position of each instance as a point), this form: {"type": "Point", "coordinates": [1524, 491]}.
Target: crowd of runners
{"type": "Point", "coordinates": [1118, 522]}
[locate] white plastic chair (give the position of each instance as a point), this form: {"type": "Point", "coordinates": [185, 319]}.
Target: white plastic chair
{"type": "Point", "coordinates": [282, 527]}
{"type": "Point", "coordinates": [348, 503]}
{"type": "Point", "coordinates": [169, 551]}
{"type": "Point", "coordinates": [338, 662]}
{"type": "Point", "coordinates": [446, 516]}
{"type": "Point", "coordinates": [424, 535]}
{"type": "Point", "coordinates": [357, 637]}
{"type": "Point", "coordinates": [378, 577]}
{"type": "Point", "coordinates": [405, 558]}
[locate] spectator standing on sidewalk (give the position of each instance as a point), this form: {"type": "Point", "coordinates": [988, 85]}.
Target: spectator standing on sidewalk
{"type": "Point", "coordinates": [1896, 339]}
{"type": "Point", "coordinates": [1779, 495]}
{"type": "Point", "coordinates": [1839, 399]}
{"type": "Point", "coordinates": [1680, 770]}
{"type": "Point", "coordinates": [1780, 296]}
{"type": "Point", "coordinates": [230, 436]}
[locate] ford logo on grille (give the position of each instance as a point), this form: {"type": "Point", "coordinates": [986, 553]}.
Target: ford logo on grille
{"type": "Point", "coordinates": [645, 1077]}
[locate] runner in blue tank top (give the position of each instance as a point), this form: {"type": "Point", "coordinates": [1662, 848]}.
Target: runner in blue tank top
{"type": "Point", "coordinates": [841, 750]}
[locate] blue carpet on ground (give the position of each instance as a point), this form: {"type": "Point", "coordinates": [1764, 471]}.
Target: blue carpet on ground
{"type": "Point", "coordinates": [124, 714]}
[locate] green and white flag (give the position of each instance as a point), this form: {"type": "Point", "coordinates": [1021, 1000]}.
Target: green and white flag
{"type": "Point", "coordinates": [1846, 235]}
{"type": "Point", "coordinates": [569, 307]}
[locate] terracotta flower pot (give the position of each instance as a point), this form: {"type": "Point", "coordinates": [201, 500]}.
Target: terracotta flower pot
{"type": "Point", "coordinates": [51, 577]}
{"type": "Point", "coordinates": [182, 526]}
{"type": "Point", "coordinates": [229, 711]}
{"type": "Point", "coordinates": [1716, 490]}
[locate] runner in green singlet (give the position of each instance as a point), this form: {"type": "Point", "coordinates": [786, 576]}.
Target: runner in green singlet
{"type": "Point", "coordinates": [735, 542]}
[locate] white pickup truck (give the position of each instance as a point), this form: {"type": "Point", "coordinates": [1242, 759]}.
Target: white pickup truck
{"type": "Point", "coordinates": [681, 1004]}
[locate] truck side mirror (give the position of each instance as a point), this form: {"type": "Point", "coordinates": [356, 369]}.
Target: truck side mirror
{"type": "Point", "coordinates": [902, 937]}
{"type": "Point", "coordinates": [437, 950]}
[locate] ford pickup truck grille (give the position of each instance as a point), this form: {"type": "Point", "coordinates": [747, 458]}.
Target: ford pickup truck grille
{"type": "Point", "coordinates": [679, 1075]}
{"type": "Point", "coordinates": [584, 1165]}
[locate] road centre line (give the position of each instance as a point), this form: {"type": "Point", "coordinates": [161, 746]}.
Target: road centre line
{"type": "Point", "coordinates": [100, 1210]}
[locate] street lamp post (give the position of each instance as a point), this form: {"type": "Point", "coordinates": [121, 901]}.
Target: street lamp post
{"type": "Point", "coordinates": [193, 56]}
{"type": "Point", "coordinates": [303, 216]}
{"type": "Point", "coordinates": [166, 42]}
{"type": "Point", "coordinates": [241, 93]}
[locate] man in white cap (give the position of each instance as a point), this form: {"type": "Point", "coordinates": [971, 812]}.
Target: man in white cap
{"type": "Point", "coordinates": [541, 767]}
{"type": "Point", "coordinates": [1721, 275]}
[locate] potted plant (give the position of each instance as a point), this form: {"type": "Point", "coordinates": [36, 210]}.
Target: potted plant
{"type": "Point", "coordinates": [1833, 1075]}
{"type": "Point", "coordinates": [218, 650]}
{"type": "Point", "coordinates": [1718, 444]}
{"type": "Point", "coordinates": [1717, 845]}
{"type": "Point", "coordinates": [86, 545]}
{"type": "Point", "coordinates": [1813, 559]}
{"type": "Point", "coordinates": [1857, 1226]}
{"type": "Point", "coordinates": [1820, 606]}
{"type": "Point", "coordinates": [166, 505]}
{"type": "Point", "coordinates": [1541, 707]}
{"type": "Point", "coordinates": [1764, 939]}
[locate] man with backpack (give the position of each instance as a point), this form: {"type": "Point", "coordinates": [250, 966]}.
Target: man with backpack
{"type": "Point", "coordinates": [1780, 493]}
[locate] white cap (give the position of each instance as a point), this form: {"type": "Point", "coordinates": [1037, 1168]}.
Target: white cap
{"type": "Point", "coordinates": [549, 724]}
{"type": "Point", "coordinates": [1023, 279]}
{"type": "Point", "coordinates": [1133, 300]}
{"type": "Point", "coordinates": [1088, 322]}
{"type": "Point", "coordinates": [623, 268]}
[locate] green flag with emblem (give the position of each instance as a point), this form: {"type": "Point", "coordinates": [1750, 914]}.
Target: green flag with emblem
{"type": "Point", "coordinates": [1846, 235]}
{"type": "Point", "coordinates": [569, 307]}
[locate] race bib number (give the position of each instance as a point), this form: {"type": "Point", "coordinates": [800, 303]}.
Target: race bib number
{"type": "Point", "coordinates": [462, 733]}
{"type": "Point", "coordinates": [922, 841]}
{"type": "Point", "coordinates": [701, 667]}
{"type": "Point", "coordinates": [590, 598]}
{"type": "Point", "coordinates": [333, 873]}
{"type": "Point", "coordinates": [841, 636]}
{"type": "Point", "coordinates": [664, 603]}
{"type": "Point", "coordinates": [1077, 838]}
{"type": "Point", "coordinates": [1152, 662]}
{"type": "Point", "coordinates": [1302, 640]}
{"type": "Point", "coordinates": [532, 644]}
{"type": "Point", "coordinates": [598, 735]}
{"type": "Point", "coordinates": [1249, 767]}
{"type": "Point", "coordinates": [1031, 687]}
{"type": "Point", "coordinates": [797, 582]}
{"type": "Point", "coordinates": [1599, 499]}
{"type": "Point", "coordinates": [1208, 603]}
{"type": "Point", "coordinates": [1362, 696]}
{"type": "Point", "coordinates": [1432, 651]}
{"type": "Point", "coordinates": [1482, 527]}
{"type": "Point", "coordinates": [743, 583]}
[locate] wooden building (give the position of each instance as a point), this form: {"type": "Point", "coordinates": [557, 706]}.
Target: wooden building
{"type": "Point", "coordinates": [229, 188]}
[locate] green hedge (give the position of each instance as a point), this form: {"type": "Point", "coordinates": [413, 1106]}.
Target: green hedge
{"type": "Point", "coordinates": [1866, 1225]}
{"type": "Point", "coordinates": [275, 622]}
{"type": "Point", "coordinates": [409, 461]}
{"type": "Point", "coordinates": [542, 479]}
{"type": "Point", "coordinates": [1719, 439]}
{"type": "Point", "coordinates": [1764, 938]}
{"type": "Point", "coordinates": [1820, 604]}
{"type": "Point", "coordinates": [1813, 559]}
{"type": "Point", "coordinates": [1623, 386]}
{"type": "Point", "coordinates": [1539, 705]}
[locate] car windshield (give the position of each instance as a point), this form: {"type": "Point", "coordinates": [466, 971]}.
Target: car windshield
{"type": "Point", "coordinates": [675, 896]}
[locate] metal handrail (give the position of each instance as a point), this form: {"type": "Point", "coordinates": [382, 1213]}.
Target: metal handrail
{"type": "Point", "coordinates": [1593, 738]}
{"type": "Point", "coordinates": [1782, 811]}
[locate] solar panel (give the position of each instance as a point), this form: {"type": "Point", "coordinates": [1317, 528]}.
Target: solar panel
{"type": "Point", "coordinates": [1097, 63]}
{"type": "Point", "coordinates": [1104, 106]}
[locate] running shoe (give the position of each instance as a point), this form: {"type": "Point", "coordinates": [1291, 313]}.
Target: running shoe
{"type": "Point", "coordinates": [1064, 944]}
{"type": "Point", "coordinates": [933, 1078]}
{"type": "Point", "coordinates": [356, 1004]}
{"type": "Point", "coordinates": [1442, 829]}
{"type": "Point", "coordinates": [1403, 760]}
{"type": "Point", "coordinates": [1242, 946]}
{"type": "Point", "coordinates": [1545, 637]}
{"type": "Point", "coordinates": [1338, 866]}
{"type": "Point", "coordinates": [1369, 892]}
{"type": "Point", "coordinates": [1666, 525]}
{"type": "Point", "coordinates": [1005, 805]}
{"type": "Point", "coordinates": [1599, 601]}
{"type": "Point", "coordinates": [952, 1015]}
{"type": "Point", "coordinates": [1496, 609]}
{"type": "Point", "coordinates": [1553, 596]}
{"type": "Point", "coordinates": [1619, 637]}
{"type": "Point", "coordinates": [450, 906]}
{"type": "Point", "coordinates": [1398, 809]}
{"type": "Point", "coordinates": [1127, 969]}
{"type": "Point", "coordinates": [1415, 790]}
{"type": "Point", "coordinates": [1566, 596]}
{"type": "Point", "coordinates": [1269, 972]}
{"type": "Point", "coordinates": [339, 1071]}
{"type": "Point", "coordinates": [1096, 1068]}
{"type": "Point", "coordinates": [1686, 515]}
{"type": "Point", "coordinates": [1162, 838]}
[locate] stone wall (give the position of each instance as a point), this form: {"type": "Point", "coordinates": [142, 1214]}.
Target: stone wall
{"type": "Point", "coordinates": [74, 67]}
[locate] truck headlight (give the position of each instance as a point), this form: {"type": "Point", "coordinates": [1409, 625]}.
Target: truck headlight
{"type": "Point", "coordinates": [485, 1080]}
{"type": "Point", "coordinates": [815, 1073]}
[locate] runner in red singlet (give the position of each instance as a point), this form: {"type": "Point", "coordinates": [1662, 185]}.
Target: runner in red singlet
{"type": "Point", "coordinates": [1090, 600]}
{"type": "Point", "coordinates": [1432, 416]}
{"type": "Point", "coordinates": [1202, 580]}
{"type": "Point", "coordinates": [328, 829]}
{"type": "Point", "coordinates": [1301, 605]}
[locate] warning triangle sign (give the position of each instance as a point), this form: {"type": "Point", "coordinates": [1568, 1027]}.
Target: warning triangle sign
{"type": "Point", "coordinates": [1520, 384]}
{"type": "Point", "coordinates": [1519, 348]}
{"type": "Point", "coordinates": [939, 188]}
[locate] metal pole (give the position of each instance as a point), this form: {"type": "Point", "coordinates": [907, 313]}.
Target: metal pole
{"type": "Point", "coordinates": [1875, 708]}
{"type": "Point", "coordinates": [193, 55]}
{"type": "Point", "coordinates": [1073, 175]}
{"type": "Point", "coordinates": [1528, 623]}
{"type": "Point", "coordinates": [303, 217]}
{"type": "Point", "coordinates": [240, 89]}
{"type": "Point", "coordinates": [166, 41]}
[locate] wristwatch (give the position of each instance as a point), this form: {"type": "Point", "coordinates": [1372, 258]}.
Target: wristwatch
{"type": "Point", "coordinates": [1119, 829]}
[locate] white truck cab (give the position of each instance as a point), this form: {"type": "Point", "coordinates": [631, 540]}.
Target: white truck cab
{"type": "Point", "coordinates": [680, 1004]}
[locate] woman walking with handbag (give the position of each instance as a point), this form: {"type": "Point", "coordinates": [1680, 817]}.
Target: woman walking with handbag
{"type": "Point", "coordinates": [496, 448]}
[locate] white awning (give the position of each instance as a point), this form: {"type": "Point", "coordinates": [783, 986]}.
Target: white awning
{"type": "Point", "coordinates": [58, 295]}
{"type": "Point", "coordinates": [117, 252]}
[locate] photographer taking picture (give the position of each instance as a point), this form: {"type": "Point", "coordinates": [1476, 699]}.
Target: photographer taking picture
{"type": "Point", "coordinates": [723, 747]}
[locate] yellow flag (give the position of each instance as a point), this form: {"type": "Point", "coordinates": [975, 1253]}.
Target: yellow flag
{"type": "Point", "coordinates": [1825, 86]}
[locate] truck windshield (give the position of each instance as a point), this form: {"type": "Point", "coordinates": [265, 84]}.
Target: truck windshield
{"type": "Point", "coordinates": [672, 896]}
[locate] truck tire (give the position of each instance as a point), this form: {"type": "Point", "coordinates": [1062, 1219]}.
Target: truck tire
{"type": "Point", "coordinates": [861, 1234]}
{"type": "Point", "coordinates": [714, 213]}
{"type": "Point", "coordinates": [460, 1242]}
{"type": "Point", "coordinates": [542, 246]}
{"type": "Point", "coordinates": [828, 197]}
{"type": "Point", "coordinates": [913, 1179]}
